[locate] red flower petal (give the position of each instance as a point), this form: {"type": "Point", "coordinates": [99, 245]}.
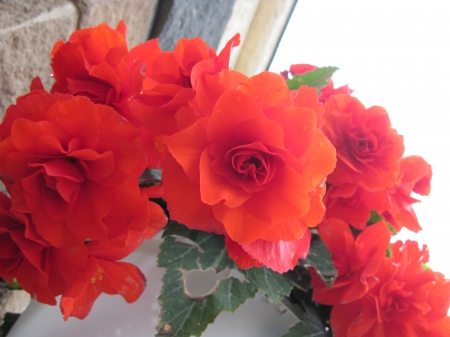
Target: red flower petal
{"type": "Point", "coordinates": [279, 256]}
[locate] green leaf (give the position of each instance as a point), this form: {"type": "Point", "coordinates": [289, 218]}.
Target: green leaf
{"type": "Point", "coordinates": [185, 316]}
{"type": "Point", "coordinates": [310, 325]}
{"type": "Point", "coordinates": [198, 250]}
{"type": "Point", "coordinates": [275, 285]}
{"type": "Point", "coordinates": [320, 258]}
{"type": "Point", "coordinates": [300, 278]}
{"type": "Point", "coordinates": [318, 78]}
{"type": "Point", "coordinates": [181, 251]}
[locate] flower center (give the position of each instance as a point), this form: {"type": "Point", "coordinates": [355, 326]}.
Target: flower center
{"type": "Point", "coordinates": [254, 161]}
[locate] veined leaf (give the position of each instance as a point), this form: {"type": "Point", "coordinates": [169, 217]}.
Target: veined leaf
{"type": "Point", "coordinates": [318, 78]}
{"type": "Point", "coordinates": [320, 258]}
{"type": "Point", "coordinates": [184, 250]}
{"type": "Point", "coordinates": [275, 285]}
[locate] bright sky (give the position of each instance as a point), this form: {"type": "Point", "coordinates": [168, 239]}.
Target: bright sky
{"type": "Point", "coordinates": [395, 54]}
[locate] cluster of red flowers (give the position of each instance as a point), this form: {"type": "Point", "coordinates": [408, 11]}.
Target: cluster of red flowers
{"type": "Point", "coordinates": [381, 289]}
{"type": "Point", "coordinates": [70, 160]}
{"type": "Point", "coordinates": [243, 157]}
{"type": "Point", "coordinates": [376, 295]}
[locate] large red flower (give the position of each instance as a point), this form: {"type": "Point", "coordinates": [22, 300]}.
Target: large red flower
{"type": "Point", "coordinates": [353, 204]}
{"type": "Point", "coordinates": [415, 176]}
{"type": "Point", "coordinates": [104, 274]}
{"type": "Point", "coordinates": [95, 62]}
{"type": "Point", "coordinates": [41, 270]}
{"type": "Point", "coordinates": [248, 170]}
{"type": "Point", "coordinates": [170, 81]}
{"type": "Point", "coordinates": [408, 300]}
{"type": "Point", "coordinates": [368, 149]}
{"type": "Point", "coordinates": [73, 166]}
{"type": "Point", "coordinates": [356, 260]}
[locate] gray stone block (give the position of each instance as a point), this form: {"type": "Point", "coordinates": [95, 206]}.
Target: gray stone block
{"type": "Point", "coordinates": [28, 31]}
{"type": "Point", "coordinates": [190, 18]}
{"type": "Point", "coordinates": [138, 16]}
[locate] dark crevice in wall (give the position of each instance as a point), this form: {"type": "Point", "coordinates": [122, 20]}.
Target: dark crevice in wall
{"type": "Point", "coordinates": [161, 16]}
{"type": "Point", "coordinates": [76, 4]}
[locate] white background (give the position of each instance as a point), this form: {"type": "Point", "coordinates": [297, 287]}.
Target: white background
{"type": "Point", "coordinates": [395, 54]}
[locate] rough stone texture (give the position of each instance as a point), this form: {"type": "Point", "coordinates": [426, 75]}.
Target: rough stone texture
{"type": "Point", "coordinates": [28, 30]}
{"type": "Point", "coordinates": [191, 18]}
{"type": "Point", "coordinates": [138, 16]}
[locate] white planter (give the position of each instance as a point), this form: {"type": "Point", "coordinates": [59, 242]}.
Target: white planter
{"type": "Point", "coordinates": [111, 316]}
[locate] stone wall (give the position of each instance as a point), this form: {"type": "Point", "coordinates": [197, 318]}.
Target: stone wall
{"type": "Point", "coordinates": [29, 28]}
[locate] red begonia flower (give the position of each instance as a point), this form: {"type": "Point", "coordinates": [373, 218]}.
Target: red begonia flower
{"type": "Point", "coordinates": [279, 256]}
{"type": "Point", "coordinates": [325, 92]}
{"type": "Point", "coordinates": [353, 204]}
{"type": "Point", "coordinates": [253, 168]}
{"type": "Point", "coordinates": [368, 149]}
{"type": "Point", "coordinates": [356, 260]}
{"type": "Point", "coordinates": [110, 277]}
{"type": "Point", "coordinates": [170, 79]}
{"type": "Point", "coordinates": [415, 176]}
{"type": "Point", "coordinates": [73, 166]}
{"type": "Point", "coordinates": [408, 300]}
{"type": "Point", "coordinates": [41, 270]}
{"type": "Point", "coordinates": [103, 273]}
{"type": "Point", "coordinates": [95, 62]}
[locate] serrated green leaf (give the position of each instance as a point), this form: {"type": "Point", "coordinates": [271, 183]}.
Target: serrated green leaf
{"type": "Point", "coordinates": [175, 254]}
{"type": "Point", "coordinates": [318, 78]}
{"type": "Point", "coordinates": [215, 253]}
{"type": "Point", "coordinates": [310, 325]}
{"type": "Point", "coordinates": [201, 250]}
{"type": "Point", "coordinates": [275, 285]}
{"type": "Point", "coordinates": [320, 258]}
{"type": "Point", "coordinates": [185, 317]}
{"type": "Point", "coordinates": [174, 228]}
{"type": "Point", "coordinates": [300, 278]}
{"type": "Point", "coordinates": [184, 250]}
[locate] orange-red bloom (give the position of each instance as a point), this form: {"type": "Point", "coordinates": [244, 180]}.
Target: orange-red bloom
{"type": "Point", "coordinates": [104, 274]}
{"type": "Point", "coordinates": [40, 269]}
{"type": "Point", "coordinates": [170, 81]}
{"type": "Point", "coordinates": [368, 149]}
{"type": "Point", "coordinates": [356, 260]}
{"type": "Point", "coordinates": [280, 256]}
{"type": "Point", "coordinates": [415, 177]}
{"type": "Point", "coordinates": [353, 204]}
{"type": "Point", "coordinates": [252, 167]}
{"type": "Point", "coordinates": [407, 301]}
{"type": "Point", "coordinates": [73, 166]}
{"type": "Point", "coordinates": [95, 62]}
